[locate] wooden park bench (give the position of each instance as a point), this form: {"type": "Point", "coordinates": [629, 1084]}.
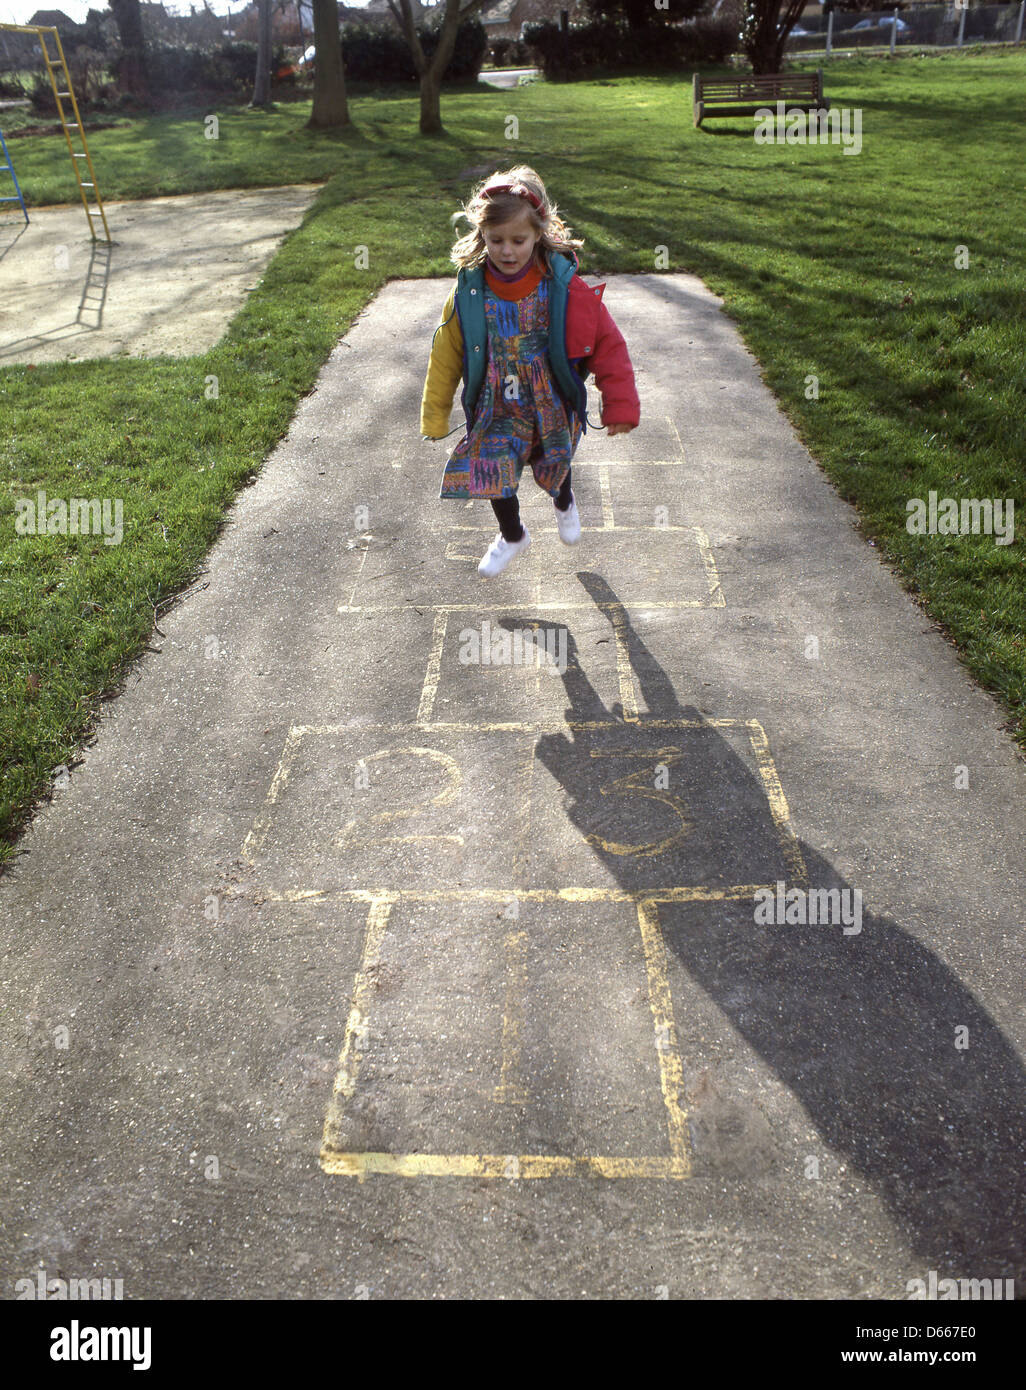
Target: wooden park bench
{"type": "Point", "coordinates": [744, 96]}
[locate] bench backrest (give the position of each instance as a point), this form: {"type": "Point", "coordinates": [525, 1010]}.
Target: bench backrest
{"type": "Point", "coordinates": [753, 88]}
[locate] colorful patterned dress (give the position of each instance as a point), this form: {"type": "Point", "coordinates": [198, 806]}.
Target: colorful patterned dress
{"type": "Point", "coordinates": [520, 417]}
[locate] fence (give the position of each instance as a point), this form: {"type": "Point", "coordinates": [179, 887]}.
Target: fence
{"type": "Point", "coordinates": [944, 26]}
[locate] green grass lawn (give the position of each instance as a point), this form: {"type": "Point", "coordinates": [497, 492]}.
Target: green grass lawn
{"type": "Point", "coordinates": [838, 266]}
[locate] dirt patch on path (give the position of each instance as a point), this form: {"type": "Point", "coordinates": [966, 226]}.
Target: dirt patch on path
{"type": "Point", "coordinates": [177, 271]}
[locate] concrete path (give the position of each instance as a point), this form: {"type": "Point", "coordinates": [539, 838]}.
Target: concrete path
{"type": "Point", "coordinates": [385, 971]}
{"type": "Point", "coordinates": [177, 272]}
{"type": "Point", "coordinates": [506, 77]}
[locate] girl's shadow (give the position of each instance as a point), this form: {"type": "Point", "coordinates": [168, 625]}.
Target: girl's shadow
{"type": "Point", "coordinates": [861, 1027]}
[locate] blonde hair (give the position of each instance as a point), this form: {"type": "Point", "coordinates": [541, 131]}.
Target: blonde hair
{"type": "Point", "coordinates": [493, 211]}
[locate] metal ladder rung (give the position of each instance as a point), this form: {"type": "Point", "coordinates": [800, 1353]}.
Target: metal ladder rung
{"type": "Point", "coordinates": [56, 63]}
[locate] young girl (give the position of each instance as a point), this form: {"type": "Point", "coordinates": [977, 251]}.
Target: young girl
{"type": "Point", "coordinates": [522, 330]}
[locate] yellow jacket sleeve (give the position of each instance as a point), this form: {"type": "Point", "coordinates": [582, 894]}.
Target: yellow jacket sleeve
{"type": "Point", "coordinates": [445, 369]}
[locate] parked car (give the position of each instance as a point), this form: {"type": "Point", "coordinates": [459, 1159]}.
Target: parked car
{"type": "Point", "coordinates": [882, 23]}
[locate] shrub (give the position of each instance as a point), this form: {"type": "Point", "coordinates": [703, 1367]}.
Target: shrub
{"type": "Point", "coordinates": [184, 68]}
{"type": "Point", "coordinates": [510, 53]}
{"type": "Point", "coordinates": [714, 40]}
{"type": "Point", "coordinates": [40, 94]}
{"type": "Point", "coordinates": [608, 46]}
{"type": "Point", "coordinates": [371, 54]}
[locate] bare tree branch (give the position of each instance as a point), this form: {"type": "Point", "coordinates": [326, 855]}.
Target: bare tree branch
{"type": "Point", "coordinates": [430, 73]}
{"type": "Point", "coordinates": [409, 30]}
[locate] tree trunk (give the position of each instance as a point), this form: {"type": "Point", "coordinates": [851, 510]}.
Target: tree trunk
{"type": "Point", "coordinates": [262, 81]}
{"type": "Point", "coordinates": [330, 108]}
{"type": "Point", "coordinates": [431, 73]}
{"type": "Point", "coordinates": [131, 68]}
{"type": "Point", "coordinates": [767, 24]}
{"type": "Point", "coordinates": [430, 103]}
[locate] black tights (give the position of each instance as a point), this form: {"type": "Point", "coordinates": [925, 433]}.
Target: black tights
{"type": "Point", "coordinates": [507, 511]}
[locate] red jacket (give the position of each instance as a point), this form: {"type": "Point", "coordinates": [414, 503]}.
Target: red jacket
{"type": "Point", "coordinates": [593, 344]}
{"type": "Point", "coordinates": [592, 336]}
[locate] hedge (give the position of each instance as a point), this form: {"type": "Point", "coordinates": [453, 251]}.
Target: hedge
{"type": "Point", "coordinates": [174, 68]}
{"type": "Point", "coordinates": [607, 46]}
{"type": "Point", "coordinates": [371, 54]}
{"type": "Point", "coordinates": [511, 53]}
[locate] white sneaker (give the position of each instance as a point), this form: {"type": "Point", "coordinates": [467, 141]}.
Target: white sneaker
{"type": "Point", "coordinates": [569, 522]}
{"type": "Point", "coordinates": [499, 554]}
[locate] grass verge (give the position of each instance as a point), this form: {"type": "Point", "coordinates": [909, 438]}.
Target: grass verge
{"type": "Point", "coordinates": [845, 268]}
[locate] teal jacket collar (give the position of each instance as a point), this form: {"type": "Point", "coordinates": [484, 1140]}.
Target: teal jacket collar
{"type": "Point", "coordinates": [470, 286]}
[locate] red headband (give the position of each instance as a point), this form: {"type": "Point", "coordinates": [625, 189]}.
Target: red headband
{"type": "Point", "coordinates": [518, 190]}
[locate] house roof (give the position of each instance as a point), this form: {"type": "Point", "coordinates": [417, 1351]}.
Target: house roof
{"type": "Point", "coordinates": [48, 19]}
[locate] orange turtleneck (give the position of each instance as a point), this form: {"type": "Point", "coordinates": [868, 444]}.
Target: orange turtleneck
{"type": "Point", "coordinates": [519, 288]}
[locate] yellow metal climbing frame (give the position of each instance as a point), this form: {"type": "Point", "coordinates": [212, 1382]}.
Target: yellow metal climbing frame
{"type": "Point", "coordinates": [60, 80]}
